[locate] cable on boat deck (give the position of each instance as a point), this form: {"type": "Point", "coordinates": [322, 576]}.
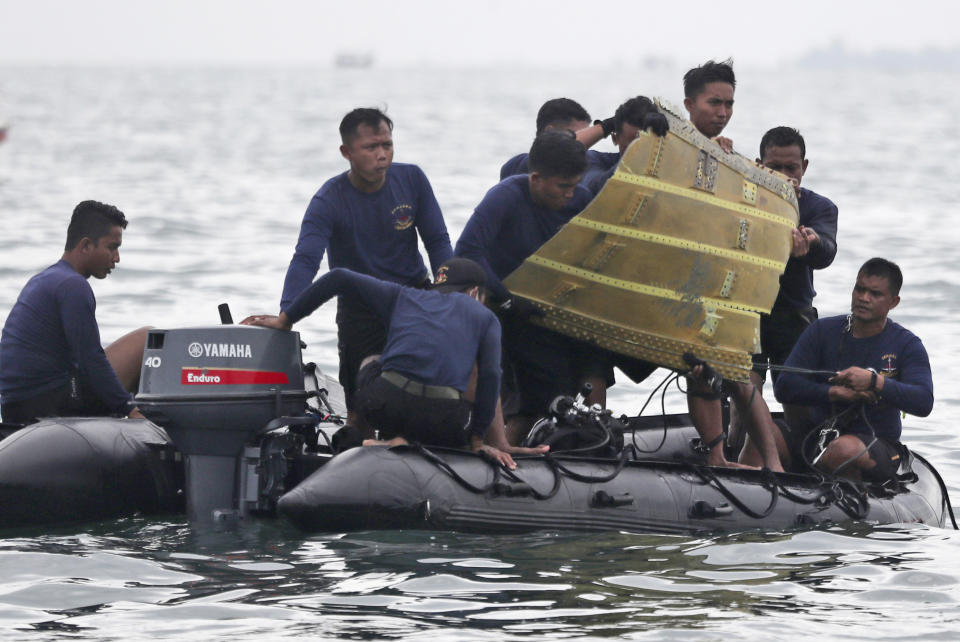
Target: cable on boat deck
{"type": "Point", "coordinates": [852, 498]}
{"type": "Point", "coordinates": [844, 494]}
{"type": "Point", "coordinates": [706, 474]}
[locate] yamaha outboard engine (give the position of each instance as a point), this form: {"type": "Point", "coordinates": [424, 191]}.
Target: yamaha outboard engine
{"type": "Point", "coordinates": [214, 389]}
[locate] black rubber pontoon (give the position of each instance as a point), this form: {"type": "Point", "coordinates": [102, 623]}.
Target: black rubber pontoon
{"type": "Point", "coordinates": [82, 469]}
{"type": "Point", "coordinates": [411, 487]}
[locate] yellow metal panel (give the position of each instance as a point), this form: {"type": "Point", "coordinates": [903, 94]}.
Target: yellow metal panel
{"type": "Point", "coordinates": [681, 251]}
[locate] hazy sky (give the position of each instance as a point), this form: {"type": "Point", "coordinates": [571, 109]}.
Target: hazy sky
{"type": "Point", "coordinates": [403, 32]}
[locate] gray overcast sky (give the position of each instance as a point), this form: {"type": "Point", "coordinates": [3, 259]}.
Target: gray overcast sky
{"type": "Point", "coordinates": [404, 32]}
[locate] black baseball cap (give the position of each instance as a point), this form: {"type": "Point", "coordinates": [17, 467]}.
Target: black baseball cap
{"type": "Point", "coordinates": [459, 273]}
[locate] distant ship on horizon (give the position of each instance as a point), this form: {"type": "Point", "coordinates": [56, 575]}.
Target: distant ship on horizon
{"type": "Point", "coordinates": [353, 60]}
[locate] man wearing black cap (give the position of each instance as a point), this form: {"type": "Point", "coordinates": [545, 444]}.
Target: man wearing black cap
{"type": "Point", "coordinates": [416, 389]}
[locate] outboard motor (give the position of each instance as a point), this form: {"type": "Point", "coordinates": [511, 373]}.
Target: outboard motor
{"type": "Point", "coordinates": [214, 389]}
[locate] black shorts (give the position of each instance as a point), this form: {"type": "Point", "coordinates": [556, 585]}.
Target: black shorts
{"type": "Point", "coordinates": [887, 454]}
{"type": "Point", "coordinates": [546, 364]}
{"type": "Point", "coordinates": [779, 332]}
{"type": "Point", "coordinates": [396, 412]}
{"type": "Point", "coordinates": [73, 399]}
{"type": "Point", "coordinates": [360, 333]}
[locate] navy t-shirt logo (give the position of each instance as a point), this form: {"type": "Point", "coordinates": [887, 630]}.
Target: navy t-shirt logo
{"type": "Point", "coordinates": [402, 216]}
{"type": "Point", "coordinates": [889, 368]}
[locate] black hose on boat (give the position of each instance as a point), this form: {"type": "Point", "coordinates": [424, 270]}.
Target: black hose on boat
{"type": "Point", "coordinates": [665, 385]}
{"type": "Point", "coordinates": [562, 433]}
{"type": "Point", "coordinates": [854, 502]}
{"type": "Point", "coordinates": [440, 463]}
{"type": "Point", "coordinates": [533, 491]}
{"type": "Point", "coordinates": [600, 479]}
{"type": "Point", "coordinates": [769, 482]}
{"type": "Point", "coordinates": [498, 470]}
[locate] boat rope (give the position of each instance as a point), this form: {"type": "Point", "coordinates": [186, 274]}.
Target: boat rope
{"type": "Point", "coordinates": [943, 488]}
{"type": "Point", "coordinates": [533, 491]}
{"type": "Point", "coordinates": [557, 468]}
{"type": "Point", "coordinates": [767, 480]}
{"type": "Point", "coordinates": [606, 438]}
{"type": "Point", "coordinates": [795, 369]}
{"type": "Point", "coordinates": [590, 479]}
{"type": "Point", "coordinates": [663, 387]}
{"type": "Point", "coordinates": [873, 439]}
{"type": "Point", "coordinates": [853, 502]}
{"type": "Point", "coordinates": [440, 463]}
{"type": "Point", "coordinates": [495, 485]}
{"type": "Point", "coordinates": [828, 425]}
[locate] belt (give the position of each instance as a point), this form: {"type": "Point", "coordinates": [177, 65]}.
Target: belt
{"type": "Point", "coordinates": [421, 390]}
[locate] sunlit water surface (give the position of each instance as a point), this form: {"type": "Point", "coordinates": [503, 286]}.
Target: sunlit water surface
{"type": "Point", "coordinates": [214, 169]}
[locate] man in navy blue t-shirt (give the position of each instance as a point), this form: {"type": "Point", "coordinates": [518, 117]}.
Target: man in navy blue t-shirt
{"type": "Point", "coordinates": [369, 219]}
{"type": "Point", "coordinates": [564, 114]}
{"type": "Point", "coordinates": [635, 115]}
{"type": "Point", "coordinates": [51, 359]}
{"type": "Point", "coordinates": [882, 369]}
{"type": "Point", "coordinates": [513, 220]}
{"type": "Point", "coordinates": [421, 388]}
{"type": "Point", "coordinates": [708, 97]}
{"type": "Point", "coordinates": [782, 149]}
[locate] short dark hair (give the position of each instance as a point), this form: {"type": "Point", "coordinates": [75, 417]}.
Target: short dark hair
{"type": "Point", "coordinates": [783, 136]}
{"type": "Point", "coordinates": [369, 116]}
{"type": "Point", "coordinates": [560, 112]}
{"type": "Point", "coordinates": [557, 153]}
{"type": "Point", "coordinates": [93, 220]}
{"type": "Point", "coordinates": [885, 269]}
{"type": "Point", "coordinates": [697, 78]}
{"type": "Point", "coordinates": [632, 112]}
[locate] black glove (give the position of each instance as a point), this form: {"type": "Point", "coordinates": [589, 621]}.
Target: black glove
{"type": "Point", "coordinates": [520, 308]}
{"type": "Point", "coordinates": [607, 124]}
{"type": "Point", "coordinates": [656, 122]}
{"type": "Point", "coordinates": [709, 375]}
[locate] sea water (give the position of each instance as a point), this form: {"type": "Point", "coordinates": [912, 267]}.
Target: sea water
{"type": "Point", "coordinates": [214, 168]}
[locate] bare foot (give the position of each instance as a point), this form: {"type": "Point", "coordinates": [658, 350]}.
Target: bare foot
{"type": "Point", "coordinates": [396, 441]}
{"type": "Point", "coordinates": [734, 464]}
{"type": "Point", "coordinates": [522, 450]}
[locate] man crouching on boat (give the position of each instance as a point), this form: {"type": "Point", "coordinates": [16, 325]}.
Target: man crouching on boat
{"type": "Point", "coordinates": [416, 389]}
{"type": "Point", "coordinates": [881, 369]}
{"type": "Point", "coordinates": [515, 218]}
{"type": "Point", "coordinates": [51, 361]}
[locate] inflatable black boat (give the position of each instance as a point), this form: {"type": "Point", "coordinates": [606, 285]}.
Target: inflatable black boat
{"type": "Point", "coordinates": [79, 469]}
{"type": "Point", "coordinates": [373, 488]}
{"type": "Point", "coordinates": [249, 434]}
{"type": "Point", "coordinates": [85, 469]}
{"type": "Point", "coordinates": [645, 474]}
